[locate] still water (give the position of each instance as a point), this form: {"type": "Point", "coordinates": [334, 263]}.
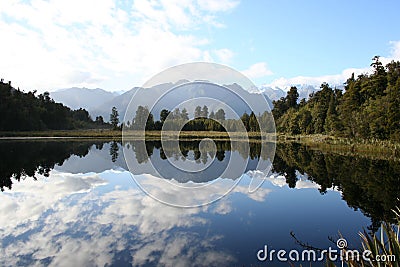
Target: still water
{"type": "Point", "coordinates": [74, 203]}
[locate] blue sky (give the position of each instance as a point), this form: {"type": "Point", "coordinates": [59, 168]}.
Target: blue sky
{"type": "Point", "coordinates": [116, 45]}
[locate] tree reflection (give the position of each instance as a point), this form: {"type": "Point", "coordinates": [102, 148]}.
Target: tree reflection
{"type": "Point", "coordinates": [370, 185]}
{"type": "Point", "coordinates": [114, 151]}
{"type": "Point", "coordinates": [27, 159]}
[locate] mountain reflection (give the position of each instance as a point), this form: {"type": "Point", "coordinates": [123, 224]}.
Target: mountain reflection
{"type": "Point", "coordinates": [367, 184]}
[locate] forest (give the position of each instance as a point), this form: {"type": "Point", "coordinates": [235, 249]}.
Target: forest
{"type": "Point", "coordinates": [22, 111]}
{"type": "Point", "coordinates": [368, 108]}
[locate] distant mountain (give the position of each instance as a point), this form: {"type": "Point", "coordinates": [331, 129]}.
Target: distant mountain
{"type": "Point", "coordinates": [88, 99]}
{"type": "Point", "coordinates": [99, 102]}
{"type": "Point", "coordinates": [186, 92]}
{"type": "Point", "coordinates": [273, 93]}
{"type": "Point", "coordinates": [304, 91]}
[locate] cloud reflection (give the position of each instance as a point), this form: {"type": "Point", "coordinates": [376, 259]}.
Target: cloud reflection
{"type": "Point", "coordinates": [85, 219]}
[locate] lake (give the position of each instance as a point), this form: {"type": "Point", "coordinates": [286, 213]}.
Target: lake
{"type": "Point", "coordinates": [74, 203]}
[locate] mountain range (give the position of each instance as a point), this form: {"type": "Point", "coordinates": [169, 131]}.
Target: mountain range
{"type": "Point", "coordinates": [99, 102]}
{"type": "Point", "coordinates": [88, 99]}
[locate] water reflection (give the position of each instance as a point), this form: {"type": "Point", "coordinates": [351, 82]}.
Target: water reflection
{"type": "Point", "coordinates": [81, 207]}
{"type": "Point", "coordinates": [20, 159]}
{"type": "Point", "coordinates": [371, 185]}
{"type": "Point", "coordinates": [367, 184]}
{"type": "Point", "coordinates": [52, 221]}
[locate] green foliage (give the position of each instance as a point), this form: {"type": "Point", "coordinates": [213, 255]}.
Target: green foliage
{"type": "Point", "coordinates": [204, 112]}
{"type": "Point", "coordinates": [246, 121]}
{"type": "Point", "coordinates": [291, 98]}
{"type": "Point", "coordinates": [284, 104]}
{"type": "Point", "coordinates": [220, 114]}
{"type": "Point", "coordinates": [197, 112]}
{"type": "Point", "coordinates": [114, 118]}
{"type": "Point", "coordinates": [368, 109]}
{"type": "Point", "coordinates": [163, 115]}
{"type": "Point", "coordinates": [383, 247]}
{"type": "Point", "coordinates": [22, 111]}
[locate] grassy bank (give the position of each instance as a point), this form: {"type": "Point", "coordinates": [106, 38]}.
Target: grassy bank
{"type": "Point", "coordinates": [150, 135]}
{"type": "Point", "coordinates": [380, 149]}
{"type": "Point", "coordinates": [91, 133]}
{"type": "Point", "coordinates": [195, 135]}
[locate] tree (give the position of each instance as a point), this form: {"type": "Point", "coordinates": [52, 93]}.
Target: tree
{"type": "Point", "coordinates": [177, 114]}
{"type": "Point", "coordinates": [114, 118]}
{"type": "Point", "coordinates": [150, 122]}
{"type": "Point", "coordinates": [163, 115]}
{"type": "Point", "coordinates": [114, 151]}
{"type": "Point", "coordinates": [99, 120]}
{"type": "Point", "coordinates": [204, 112]}
{"type": "Point", "coordinates": [304, 121]}
{"type": "Point", "coordinates": [141, 118]}
{"type": "Point", "coordinates": [212, 115]}
{"type": "Point", "coordinates": [253, 123]}
{"type": "Point", "coordinates": [245, 120]}
{"type": "Point", "coordinates": [280, 107]}
{"type": "Point", "coordinates": [82, 115]}
{"type": "Point", "coordinates": [197, 112]}
{"type": "Point", "coordinates": [220, 114]}
{"type": "Point", "coordinates": [184, 114]}
{"type": "Point", "coordinates": [291, 97]}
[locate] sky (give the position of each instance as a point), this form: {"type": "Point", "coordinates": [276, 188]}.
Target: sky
{"type": "Point", "coordinates": [117, 45]}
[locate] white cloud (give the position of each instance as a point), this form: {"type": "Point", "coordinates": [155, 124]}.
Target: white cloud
{"type": "Point", "coordinates": [394, 53]}
{"type": "Point", "coordinates": [224, 55]}
{"type": "Point", "coordinates": [217, 5]}
{"type": "Point", "coordinates": [337, 79]}
{"type": "Point", "coordinates": [395, 49]}
{"type": "Point", "coordinates": [257, 70]}
{"type": "Point", "coordinates": [53, 44]}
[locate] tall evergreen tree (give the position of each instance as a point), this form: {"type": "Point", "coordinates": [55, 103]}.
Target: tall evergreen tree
{"type": "Point", "coordinates": [204, 112]}
{"type": "Point", "coordinates": [292, 97]}
{"type": "Point", "coordinates": [114, 118]}
{"type": "Point", "coordinates": [197, 112]}
{"type": "Point", "coordinates": [220, 114]}
{"type": "Point", "coordinates": [184, 114]}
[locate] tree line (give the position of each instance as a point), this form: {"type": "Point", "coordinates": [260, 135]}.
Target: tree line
{"type": "Point", "coordinates": [22, 111]}
{"type": "Point", "coordinates": [368, 108]}
{"type": "Point", "coordinates": [203, 120]}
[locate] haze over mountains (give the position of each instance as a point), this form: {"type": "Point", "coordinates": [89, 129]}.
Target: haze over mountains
{"type": "Point", "coordinates": [86, 98]}
{"type": "Point", "coordinates": [99, 102]}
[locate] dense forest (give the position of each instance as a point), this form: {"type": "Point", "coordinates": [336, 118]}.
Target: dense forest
{"type": "Point", "coordinates": [368, 108]}
{"type": "Point", "coordinates": [22, 111]}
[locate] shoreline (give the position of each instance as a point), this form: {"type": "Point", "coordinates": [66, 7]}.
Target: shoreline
{"type": "Point", "coordinates": [379, 149]}
{"type": "Point", "coordinates": [325, 143]}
